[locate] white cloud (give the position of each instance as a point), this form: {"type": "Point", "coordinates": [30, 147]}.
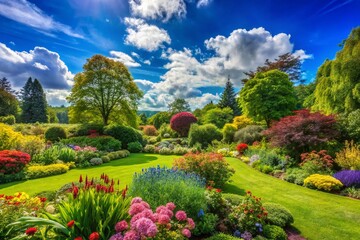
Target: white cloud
{"type": "Point", "coordinates": [202, 3]}
{"type": "Point", "coordinates": [144, 85]}
{"type": "Point", "coordinates": [124, 58]}
{"type": "Point", "coordinates": [158, 9]}
{"type": "Point", "coordinates": [12, 43]}
{"type": "Point", "coordinates": [57, 97]}
{"type": "Point", "coordinates": [39, 63]}
{"type": "Point", "coordinates": [145, 36]}
{"type": "Point", "coordinates": [147, 62]}
{"type": "Point", "coordinates": [302, 55]}
{"type": "Point", "coordinates": [134, 54]}
{"type": "Point", "coordinates": [29, 14]}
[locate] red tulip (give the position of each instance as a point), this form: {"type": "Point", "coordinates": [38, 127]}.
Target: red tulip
{"type": "Point", "coordinates": [31, 231]}
{"type": "Point", "coordinates": [71, 224]}
{"type": "Point", "coordinates": [94, 236]}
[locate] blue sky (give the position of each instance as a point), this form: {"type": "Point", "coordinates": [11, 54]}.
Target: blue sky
{"type": "Point", "coordinates": [173, 48]}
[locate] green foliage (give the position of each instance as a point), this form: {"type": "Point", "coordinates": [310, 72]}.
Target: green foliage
{"type": "Point", "coordinates": [85, 129]}
{"type": "Point", "coordinates": [55, 134]}
{"type": "Point", "coordinates": [206, 225]}
{"type": "Point", "coordinates": [233, 199]}
{"type": "Point", "coordinates": [159, 119]}
{"type": "Point", "coordinates": [105, 88]}
{"type": "Point", "coordinates": [219, 117]}
{"type": "Point", "coordinates": [124, 134]}
{"type": "Point", "coordinates": [352, 125]}
{"type": "Point", "coordinates": [278, 215]}
{"type": "Point", "coordinates": [200, 113]}
{"type": "Point", "coordinates": [149, 149]}
{"type": "Point", "coordinates": [249, 134]}
{"type": "Point", "coordinates": [44, 171]}
{"type": "Point", "coordinates": [135, 147]}
{"type": "Point", "coordinates": [10, 120]}
{"type": "Point", "coordinates": [52, 117]}
{"type": "Point", "coordinates": [102, 143]}
{"type": "Point", "coordinates": [296, 175]}
{"type": "Point", "coordinates": [323, 182]}
{"type": "Point", "coordinates": [166, 129]}
{"type": "Point", "coordinates": [228, 132]}
{"type": "Point", "coordinates": [337, 81]}
{"type": "Point", "coordinates": [228, 99]}
{"type": "Point", "coordinates": [115, 155]}
{"type": "Point", "coordinates": [203, 134]}
{"type": "Point", "coordinates": [274, 232]}
{"type": "Point", "coordinates": [222, 236]}
{"type": "Point", "coordinates": [268, 96]}
{"type": "Point", "coordinates": [178, 105]}
{"type": "Point", "coordinates": [352, 192]}
{"type": "Point", "coordinates": [96, 161]}
{"type": "Point", "coordinates": [242, 121]}
{"type": "Point", "coordinates": [8, 103]}
{"type": "Point", "coordinates": [303, 93]}
{"type": "Point", "coordinates": [54, 153]}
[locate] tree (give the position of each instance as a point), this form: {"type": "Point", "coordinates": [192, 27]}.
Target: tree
{"type": "Point", "coordinates": [181, 122]}
{"type": "Point", "coordinates": [105, 88]}
{"type": "Point", "coordinates": [200, 113]}
{"type": "Point", "coordinates": [268, 96]}
{"type": "Point", "coordinates": [6, 85]}
{"type": "Point", "coordinates": [337, 81]}
{"type": "Point", "coordinates": [143, 119]}
{"type": "Point", "coordinates": [8, 103]}
{"type": "Point", "coordinates": [159, 119]}
{"type": "Point", "coordinates": [287, 63]}
{"type": "Point", "coordinates": [179, 105]}
{"type": "Point", "coordinates": [219, 117]}
{"type": "Point", "coordinates": [228, 98]}
{"type": "Point", "coordinates": [303, 92]}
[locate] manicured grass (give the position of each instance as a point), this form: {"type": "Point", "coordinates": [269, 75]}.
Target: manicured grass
{"type": "Point", "coordinates": [318, 215]}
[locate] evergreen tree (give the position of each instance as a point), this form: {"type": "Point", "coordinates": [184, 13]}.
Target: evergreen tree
{"type": "Point", "coordinates": [26, 106]}
{"type": "Point", "coordinates": [6, 85]}
{"type": "Point", "coordinates": [228, 98]}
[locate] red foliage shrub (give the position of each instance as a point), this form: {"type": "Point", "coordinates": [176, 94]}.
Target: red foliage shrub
{"type": "Point", "coordinates": [320, 159]}
{"type": "Point", "coordinates": [12, 162]}
{"type": "Point", "coordinates": [241, 147]}
{"type": "Point", "coordinates": [149, 130]}
{"type": "Point", "coordinates": [181, 122]}
{"type": "Point", "coordinates": [303, 132]}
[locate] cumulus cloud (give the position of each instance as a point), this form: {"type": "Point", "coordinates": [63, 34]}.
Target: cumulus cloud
{"type": "Point", "coordinates": [158, 9]}
{"type": "Point", "coordinates": [144, 85]}
{"type": "Point", "coordinates": [302, 55]}
{"type": "Point", "coordinates": [145, 36]}
{"type": "Point", "coordinates": [124, 58]}
{"type": "Point", "coordinates": [202, 3]}
{"type": "Point", "coordinates": [39, 63]}
{"type": "Point", "coordinates": [29, 14]}
{"type": "Point", "coordinates": [57, 97]}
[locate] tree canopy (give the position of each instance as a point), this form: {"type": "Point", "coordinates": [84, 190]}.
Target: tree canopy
{"type": "Point", "coordinates": [228, 98]}
{"type": "Point", "coordinates": [219, 117]}
{"type": "Point", "coordinates": [268, 96]}
{"type": "Point", "coordinates": [8, 104]}
{"type": "Point", "coordinates": [105, 88]}
{"type": "Point", "coordinates": [179, 105]}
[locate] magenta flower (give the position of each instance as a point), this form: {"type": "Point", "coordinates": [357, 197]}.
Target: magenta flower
{"type": "Point", "coordinates": [145, 204]}
{"type": "Point", "coordinates": [171, 206]}
{"type": "Point", "coordinates": [136, 208]}
{"type": "Point", "coordinates": [163, 219]}
{"type": "Point", "coordinates": [152, 231]}
{"type": "Point", "coordinates": [143, 225]}
{"type": "Point", "coordinates": [131, 235]}
{"type": "Point", "coordinates": [136, 200]}
{"type": "Point", "coordinates": [164, 210]}
{"type": "Point", "coordinates": [181, 216]}
{"type": "Point", "coordinates": [190, 223]}
{"type": "Point", "coordinates": [121, 226]}
{"type": "Point", "coordinates": [117, 236]}
{"type": "Point", "coordinates": [186, 233]}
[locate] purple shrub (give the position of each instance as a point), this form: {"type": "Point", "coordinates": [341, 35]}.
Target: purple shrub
{"type": "Point", "coordinates": [348, 177]}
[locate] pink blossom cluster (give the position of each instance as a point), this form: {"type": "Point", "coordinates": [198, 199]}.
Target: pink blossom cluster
{"type": "Point", "coordinates": [145, 223]}
{"type": "Point", "coordinates": [86, 148]}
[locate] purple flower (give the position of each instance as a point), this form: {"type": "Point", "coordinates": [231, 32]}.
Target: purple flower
{"type": "Point", "coordinates": [117, 236]}
{"type": "Point", "coordinates": [246, 235]}
{"type": "Point", "coordinates": [131, 235]}
{"type": "Point", "coordinates": [145, 226]}
{"type": "Point", "coordinates": [348, 177]}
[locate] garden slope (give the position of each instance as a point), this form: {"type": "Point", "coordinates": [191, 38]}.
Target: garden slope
{"type": "Point", "coordinates": [318, 215]}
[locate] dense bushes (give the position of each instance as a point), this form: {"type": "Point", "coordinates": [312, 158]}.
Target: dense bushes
{"type": "Point", "coordinates": [55, 134]}
{"type": "Point", "coordinates": [316, 162]}
{"type": "Point", "coordinates": [228, 132]}
{"type": "Point", "coordinates": [323, 182]}
{"type": "Point", "coordinates": [181, 122]}
{"type": "Point", "coordinates": [10, 119]}
{"type": "Point", "coordinates": [149, 130]}
{"type": "Point", "coordinates": [242, 121]}
{"type": "Point", "coordinates": [44, 171]}
{"type": "Point", "coordinates": [87, 129]}
{"type": "Point", "coordinates": [54, 153]}
{"type": "Point", "coordinates": [124, 134]}
{"type": "Point", "coordinates": [115, 155]}
{"type": "Point", "coordinates": [278, 215]}
{"type": "Point", "coordinates": [349, 157]}
{"type": "Point", "coordinates": [166, 131]}
{"type": "Point", "coordinates": [274, 232]}
{"type": "Point", "coordinates": [12, 162]}
{"type": "Point", "coordinates": [203, 134]}
{"type": "Point", "coordinates": [135, 147]}
{"type": "Point", "coordinates": [219, 117]}
{"type": "Point", "coordinates": [102, 143]}
{"type": "Point", "coordinates": [349, 178]}
{"type": "Point", "coordinates": [249, 134]}
{"type": "Point", "coordinates": [211, 166]}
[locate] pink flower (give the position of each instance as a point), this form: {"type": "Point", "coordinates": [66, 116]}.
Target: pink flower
{"type": "Point", "coordinates": [121, 226]}
{"type": "Point", "coordinates": [171, 206]}
{"type": "Point", "coordinates": [190, 223]}
{"type": "Point", "coordinates": [117, 236]}
{"type": "Point", "coordinates": [186, 233]}
{"type": "Point", "coordinates": [181, 216]}
{"type": "Point", "coordinates": [143, 225]}
{"type": "Point", "coordinates": [132, 235]}
{"type": "Point", "coordinates": [163, 219]}
{"type": "Point", "coordinates": [136, 200]}
{"type": "Point", "coordinates": [164, 210]}
{"type": "Point", "coordinates": [152, 231]}
{"type": "Point", "coordinates": [145, 204]}
{"type": "Point", "coordinates": [155, 216]}
{"type": "Point", "coordinates": [136, 208]}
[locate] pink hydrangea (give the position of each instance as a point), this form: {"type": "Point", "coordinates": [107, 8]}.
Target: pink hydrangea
{"type": "Point", "coordinates": [143, 225]}
{"type": "Point", "coordinates": [152, 231]}
{"type": "Point", "coordinates": [121, 226]}
{"type": "Point", "coordinates": [164, 210]}
{"type": "Point", "coordinates": [155, 217]}
{"type": "Point", "coordinates": [136, 208]}
{"type": "Point", "coordinates": [181, 216]}
{"type": "Point", "coordinates": [131, 235]}
{"type": "Point", "coordinates": [186, 233]}
{"type": "Point", "coordinates": [136, 200]}
{"type": "Point", "coordinates": [171, 206]}
{"type": "Point", "coordinates": [190, 223]}
{"type": "Point", "coordinates": [163, 219]}
{"type": "Point", "coordinates": [117, 236]}
{"type": "Point", "coordinates": [145, 204]}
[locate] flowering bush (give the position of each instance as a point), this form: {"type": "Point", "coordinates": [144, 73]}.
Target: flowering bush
{"type": "Point", "coordinates": [211, 166]}
{"type": "Point", "coordinates": [242, 121]}
{"type": "Point", "coordinates": [163, 224]}
{"type": "Point", "coordinates": [241, 147]}
{"type": "Point", "coordinates": [102, 143]}
{"type": "Point", "coordinates": [12, 162]}
{"type": "Point", "coordinates": [350, 178]}
{"type": "Point", "coordinates": [249, 216]}
{"type": "Point", "coordinates": [316, 161]}
{"type": "Point", "coordinates": [349, 157]}
{"type": "Point", "coordinates": [181, 122]}
{"type": "Point", "coordinates": [37, 171]}
{"type": "Point", "coordinates": [323, 182]}
{"type": "Point", "coordinates": [278, 215]}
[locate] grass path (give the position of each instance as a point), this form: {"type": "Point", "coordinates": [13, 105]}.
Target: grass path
{"type": "Point", "coordinates": [318, 215]}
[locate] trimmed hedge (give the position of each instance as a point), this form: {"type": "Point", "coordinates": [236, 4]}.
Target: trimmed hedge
{"type": "Point", "coordinates": [124, 134]}
{"type": "Point", "coordinates": [204, 134]}
{"type": "Point", "coordinates": [278, 215]}
{"type": "Point", "coordinates": [55, 134]}
{"type": "Point", "coordinates": [44, 171]}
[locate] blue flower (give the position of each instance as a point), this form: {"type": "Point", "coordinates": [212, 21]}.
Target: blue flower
{"type": "Point", "coordinates": [201, 213]}
{"type": "Point", "coordinates": [237, 233]}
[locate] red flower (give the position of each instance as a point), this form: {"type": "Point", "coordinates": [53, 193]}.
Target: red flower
{"type": "Point", "coordinates": [42, 199]}
{"type": "Point", "coordinates": [94, 236]}
{"type": "Point", "coordinates": [80, 179]}
{"type": "Point", "coordinates": [75, 192]}
{"type": "Point", "coordinates": [71, 224]}
{"type": "Point", "coordinates": [31, 231]}
{"type": "Point", "coordinates": [218, 190]}
{"type": "Point", "coordinates": [78, 238]}
{"type": "Point", "coordinates": [242, 147]}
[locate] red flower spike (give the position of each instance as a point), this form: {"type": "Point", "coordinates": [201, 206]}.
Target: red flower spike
{"type": "Point", "coordinates": [80, 179]}
{"type": "Point", "coordinates": [86, 180]}
{"type": "Point", "coordinates": [31, 231]}
{"type": "Point", "coordinates": [94, 236]}
{"type": "Point", "coordinates": [70, 224]}
{"type": "Point", "coordinates": [75, 192]}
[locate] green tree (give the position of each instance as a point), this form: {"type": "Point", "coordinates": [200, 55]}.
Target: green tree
{"type": "Point", "coordinates": [200, 113]}
{"type": "Point", "coordinates": [8, 103]}
{"type": "Point", "coordinates": [6, 85]}
{"type": "Point", "coordinates": [228, 98]}
{"type": "Point", "coordinates": [52, 116]}
{"type": "Point", "coordinates": [26, 104]}
{"type": "Point", "coordinates": [105, 88]}
{"type": "Point", "coordinates": [179, 105]}
{"type": "Point", "coordinates": [303, 92]}
{"type": "Point", "coordinates": [268, 96]}
{"type": "Point", "coordinates": [337, 81]}
{"type": "Point", "coordinates": [143, 119]}
{"type": "Point", "coordinates": [219, 117]}
{"type": "Point", "coordinates": [159, 119]}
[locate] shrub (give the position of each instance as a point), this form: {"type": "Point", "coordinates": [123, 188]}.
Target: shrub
{"type": "Point", "coordinates": [124, 134]}
{"type": "Point", "coordinates": [181, 122]}
{"type": "Point", "coordinates": [323, 182]}
{"type": "Point", "coordinates": [159, 119]}
{"type": "Point", "coordinates": [186, 191]}
{"type": "Point", "coordinates": [278, 215]}
{"type": "Point", "coordinates": [96, 161]}
{"type": "Point", "coordinates": [31, 145]}
{"type": "Point", "coordinates": [222, 236]}
{"type": "Point", "coordinates": [266, 157]}
{"type": "Point", "coordinates": [203, 134]}
{"type": "Point", "coordinates": [218, 116]}
{"type": "Point", "coordinates": [352, 192]}
{"type": "Point", "coordinates": [135, 147]}
{"type": "Point", "coordinates": [149, 149]}
{"type": "Point", "coordinates": [228, 132]}
{"type": "Point", "coordinates": [10, 120]}
{"type": "Point", "coordinates": [241, 147]}
{"type": "Point", "coordinates": [102, 143]}
{"type": "Point", "coordinates": [249, 134]}
{"type": "Point", "coordinates": [180, 150]}
{"type": "Point", "coordinates": [54, 153]}
{"type": "Point", "coordinates": [150, 130]}
{"type": "Point", "coordinates": [321, 161]}
{"type": "Point", "coordinates": [44, 171]}
{"type": "Point", "coordinates": [117, 155]}
{"type": "Point", "coordinates": [353, 125]}
{"type": "Point", "coordinates": [55, 134]}
{"type": "Point", "coordinates": [349, 157]}
{"type": "Point", "coordinates": [303, 132]}
{"type": "Point", "coordinates": [296, 175]}
{"type": "Point", "coordinates": [242, 121]}
{"type": "Point", "coordinates": [349, 178]}
{"type": "Point", "coordinates": [274, 232]}
{"type": "Point", "coordinates": [211, 166]}
{"type": "Point", "coordinates": [12, 162]}
{"type": "Point", "coordinates": [233, 199]}
{"type": "Point", "coordinates": [105, 159]}
{"type": "Point", "coordinates": [165, 151]}
{"type": "Point", "coordinates": [206, 225]}
{"type": "Point", "coordinates": [88, 128]}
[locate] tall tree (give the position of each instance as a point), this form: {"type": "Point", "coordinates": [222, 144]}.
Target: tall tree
{"type": "Point", "coordinates": [286, 63]}
{"type": "Point", "coordinates": [26, 102]}
{"type": "Point", "coordinates": [105, 88]}
{"type": "Point", "coordinates": [178, 105]}
{"type": "Point", "coordinates": [268, 96]}
{"type": "Point", "coordinates": [8, 104]}
{"type": "Point", "coordinates": [228, 98]}
{"type": "Point", "coordinates": [6, 85]}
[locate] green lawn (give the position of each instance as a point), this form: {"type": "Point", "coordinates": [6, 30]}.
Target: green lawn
{"type": "Point", "coordinates": [317, 215]}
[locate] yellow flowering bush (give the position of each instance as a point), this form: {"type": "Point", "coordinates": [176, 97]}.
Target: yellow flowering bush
{"type": "Point", "coordinates": [323, 182]}
{"type": "Point", "coordinates": [349, 157]}
{"type": "Point", "coordinates": [242, 121]}
{"type": "Point", "coordinates": [47, 170]}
